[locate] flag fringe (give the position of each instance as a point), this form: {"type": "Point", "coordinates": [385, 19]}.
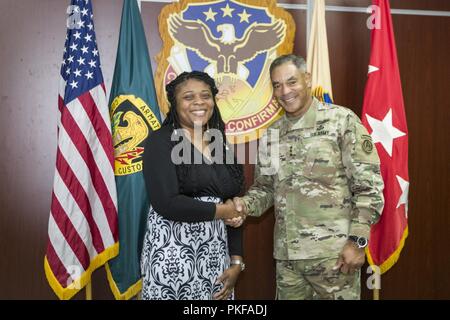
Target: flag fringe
{"type": "Point", "coordinates": [389, 262]}
{"type": "Point", "coordinates": [133, 290]}
{"type": "Point", "coordinates": [68, 292]}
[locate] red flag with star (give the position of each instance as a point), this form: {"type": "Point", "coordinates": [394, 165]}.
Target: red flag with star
{"type": "Point", "coordinates": [383, 115]}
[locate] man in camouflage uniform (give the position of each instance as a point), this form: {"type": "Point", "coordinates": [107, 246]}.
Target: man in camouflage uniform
{"type": "Point", "coordinates": [318, 166]}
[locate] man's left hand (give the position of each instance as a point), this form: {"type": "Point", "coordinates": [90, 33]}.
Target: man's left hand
{"type": "Point", "coordinates": [351, 258]}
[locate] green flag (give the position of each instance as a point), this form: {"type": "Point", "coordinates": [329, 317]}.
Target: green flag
{"type": "Point", "coordinates": [134, 114]}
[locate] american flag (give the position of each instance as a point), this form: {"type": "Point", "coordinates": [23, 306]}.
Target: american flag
{"type": "Point", "coordinates": [83, 227]}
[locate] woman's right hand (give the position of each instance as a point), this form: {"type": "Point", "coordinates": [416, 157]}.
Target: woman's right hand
{"type": "Point", "coordinates": [227, 210]}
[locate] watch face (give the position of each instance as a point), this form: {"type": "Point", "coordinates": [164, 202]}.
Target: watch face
{"type": "Point", "coordinates": [362, 242]}
{"type": "Point", "coordinates": [238, 262]}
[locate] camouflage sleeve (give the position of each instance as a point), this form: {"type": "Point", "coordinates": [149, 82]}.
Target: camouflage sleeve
{"type": "Point", "coordinates": [259, 197]}
{"type": "Point", "coordinates": [362, 167]}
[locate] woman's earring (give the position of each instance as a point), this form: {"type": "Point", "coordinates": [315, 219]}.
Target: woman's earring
{"type": "Point", "coordinates": [206, 133]}
{"type": "Point", "coordinates": [174, 129]}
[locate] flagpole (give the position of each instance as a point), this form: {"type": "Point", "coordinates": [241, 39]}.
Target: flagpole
{"type": "Point", "coordinates": [309, 13]}
{"type": "Point", "coordinates": [89, 291]}
{"type": "Point", "coordinates": [376, 294]}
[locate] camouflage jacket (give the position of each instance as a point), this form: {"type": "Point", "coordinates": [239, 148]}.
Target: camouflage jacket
{"type": "Point", "coordinates": [324, 182]}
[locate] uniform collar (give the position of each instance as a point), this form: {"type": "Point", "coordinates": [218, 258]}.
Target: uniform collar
{"type": "Point", "coordinates": [308, 120]}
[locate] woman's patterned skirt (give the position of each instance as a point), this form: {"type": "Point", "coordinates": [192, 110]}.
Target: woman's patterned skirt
{"type": "Point", "coordinates": [182, 261]}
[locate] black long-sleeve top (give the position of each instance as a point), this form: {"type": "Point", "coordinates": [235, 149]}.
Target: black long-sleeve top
{"type": "Point", "coordinates": [203, 179]}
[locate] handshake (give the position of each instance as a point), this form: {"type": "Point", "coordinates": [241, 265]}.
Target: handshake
{"type": "Point", "coordinates": [233, 212]}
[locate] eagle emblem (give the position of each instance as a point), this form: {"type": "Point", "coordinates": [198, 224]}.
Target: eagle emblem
{"type": "Point", "coordinates": [225, 52]}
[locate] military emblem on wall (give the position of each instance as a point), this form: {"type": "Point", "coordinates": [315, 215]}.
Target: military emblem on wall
{"type": "Point", "coordinates": [234, 42]}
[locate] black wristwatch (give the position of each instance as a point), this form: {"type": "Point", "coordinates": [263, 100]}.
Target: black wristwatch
{"type": "Point", "coordinates": [361, 242]}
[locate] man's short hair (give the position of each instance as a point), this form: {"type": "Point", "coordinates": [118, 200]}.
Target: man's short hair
{"type": "Point", "coordinates": [298, 61]}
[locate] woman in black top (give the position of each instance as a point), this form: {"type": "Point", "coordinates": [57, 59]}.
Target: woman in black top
{"type": "Point", "coordinates": [188, 251]}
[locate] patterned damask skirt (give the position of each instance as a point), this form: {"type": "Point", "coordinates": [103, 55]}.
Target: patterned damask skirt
{"type": "Point", "coordinates": [180, 260]}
